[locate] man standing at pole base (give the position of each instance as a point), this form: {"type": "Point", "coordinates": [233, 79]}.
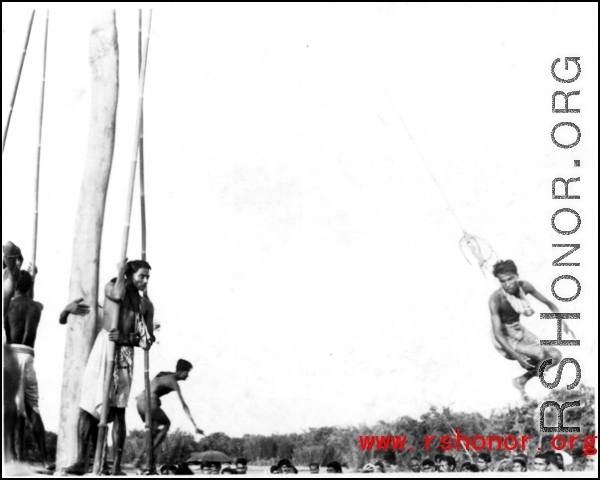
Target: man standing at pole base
{"type": "Point", "coordinates": [135, 329]}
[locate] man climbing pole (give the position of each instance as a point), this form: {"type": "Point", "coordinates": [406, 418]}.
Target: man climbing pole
{"type": "Point", "coordinates": [135, 329]}
{"type": "Point", "coordinates": [510, 337]}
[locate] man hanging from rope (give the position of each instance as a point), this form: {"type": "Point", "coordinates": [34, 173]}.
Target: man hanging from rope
{"type": "Point", "coordinates": [163, 384]}
{"type": "Point", "coordinates": [510, 337]}
{"type": "Point", "coordinates": [136, 327]}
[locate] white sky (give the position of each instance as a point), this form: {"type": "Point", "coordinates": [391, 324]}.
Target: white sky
{"type": "Point", "coordinates": [303, 259]}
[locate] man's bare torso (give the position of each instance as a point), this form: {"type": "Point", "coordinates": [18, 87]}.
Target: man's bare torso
{"type": "Point", "coordinates": [127, 310]}
{"type": "Point", "coordinates": [507, 313]}
{"type": "Point", "coordinates": [163, 384]}
{"type": "Point", "coordinates": [22, 321]}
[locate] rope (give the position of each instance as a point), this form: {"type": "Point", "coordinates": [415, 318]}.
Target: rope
{"type": "Point", "coordinates": [422, 157]}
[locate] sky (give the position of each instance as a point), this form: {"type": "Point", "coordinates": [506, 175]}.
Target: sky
{"type": "Point", "coordinates": [303, 258]}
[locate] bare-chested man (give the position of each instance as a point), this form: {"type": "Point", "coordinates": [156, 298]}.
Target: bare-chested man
{"type": "Point", "coordinates": [20, 324]}
{"type": "Point", "coordinates": [161, 385]}
{"type": "Point", "coordinates": [135, 329]}
{"type": "Point", "coordinates": [511, 339]}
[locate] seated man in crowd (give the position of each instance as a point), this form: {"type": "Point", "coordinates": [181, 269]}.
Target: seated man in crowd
{"type": "Point", "coordinates": [241, 466]}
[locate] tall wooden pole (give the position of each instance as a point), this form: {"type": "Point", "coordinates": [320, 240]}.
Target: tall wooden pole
{"type": "Point", "coordinates": [39, 152]}
{"type": "Point", "coordinates": [103, 426]}
{"type": "Point", "coordinates": [17, 81]}
{"type": "Point", "coordinates": [81, 333]}
{"type": "Point", "coordinates": [151, 467]}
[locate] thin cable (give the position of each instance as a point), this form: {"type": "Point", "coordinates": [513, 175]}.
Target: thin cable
{"type": "Point", "coordinates": [422, 157]}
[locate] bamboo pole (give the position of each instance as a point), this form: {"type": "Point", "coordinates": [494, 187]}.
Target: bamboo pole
{"type": "Point", "coordinates": [151, 467]}
{"type": "Point", "coordinates": [102, 427]}
{"type": "Point", "coordinates": [84, 280]}
{"type": "Point", "coordinates": [39, 153]}
{"type": "Point", "coordinates": [17, 81]}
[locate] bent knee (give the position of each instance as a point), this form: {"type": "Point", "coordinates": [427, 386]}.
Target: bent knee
{"type": "Point", "coordinates": [556, 355]}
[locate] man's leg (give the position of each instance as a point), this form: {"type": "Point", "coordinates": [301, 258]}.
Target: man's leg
{"type": "Point", "coordinates": [11, 390]}
{"type": "Point", "coordinates": [119, 432]}
{"type": "Point", "coordinates": [20, 438]}
{"type": "Point", "coordinates": [160, 419]}
{"type": "Point", "coordinates": [87, 431]}
{"type": "Point", "coordinates": [521, 381]}
{"type": "Point", "coordinates": [10, 454]}
{"type": "Point", "coordinates": [531, 348]}
{"type": "Point", "coordinates": [39, 434]}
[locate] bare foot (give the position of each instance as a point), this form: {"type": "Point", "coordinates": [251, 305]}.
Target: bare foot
{"type": "Point", "coordinates": [519, 384]}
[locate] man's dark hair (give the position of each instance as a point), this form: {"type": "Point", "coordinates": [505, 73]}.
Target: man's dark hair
{"type": "Point", "coordinates": [216, 464]}
{"type": "Point", "coordinates": [469, 467]}
{"type": "Point", "coordinates": [450, 460]}
{"type": "Point", "coordinates": [485, 456]}
{"type": "Point", "coordinates": [284, 462]}
{"type": "Point", "coordinates": [274, 468]}
{"type": "Point", "coordinates": [504, 266]}
{"type": "Point", "coordinates": [168, 467]}
{"type": "Point", "coordinates": [428, 462]}
{"type": "Point", "coordinates": [25, 282]}
{"type": "Point", "coordinates": [542, 456]}
{"type": "Point", "coordinates": [521, 460]}
{"type": "Point", "coordinates": [560, 460]}
{"type": "Point", "coordinates": [439, 457]}
{"type": "Point", "coordinates": [135, 265]}
{"type": "Point", "coordinates": [337, 466]}
{"type": "Point", "coordinates": [183, 366]}
{"type": "Point", "coordinates": [183, 470]}
{"type": "Point", "coordinates": [240, 461]}
{"type": "Point", "coordinates": [205, 464]}
{"type": "Point", "coordinates": [551, 458]}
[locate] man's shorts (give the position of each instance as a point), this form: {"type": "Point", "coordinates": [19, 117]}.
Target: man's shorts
{"type": "Point", "coordinates": [28, 392]}
{"type": "Point", "coordinates": [521, 341]}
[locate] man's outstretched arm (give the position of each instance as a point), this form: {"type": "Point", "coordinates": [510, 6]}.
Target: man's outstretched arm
{"type": "Point", "coordinates": [187, 410]}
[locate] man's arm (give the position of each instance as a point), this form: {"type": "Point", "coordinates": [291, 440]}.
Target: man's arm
{"type": "Point", "coordinates": [497, 329]}
{"type": "Point", "coordinates": [8, 286]}
{"type": "Point", "coordinates": [529, 288]}
{"type": "Point", "coordinates": [116, 291]}
{"type": "Point", "coordinates": [74, 308]}
{"type": "Point", "coordinates": [149, 319]}
{"type": "Point", "coordinates": [34, 315]}
{"type": "Point", "coordinates": [33, 271]}
{"type": "Point", "coordinates": [185, 408]}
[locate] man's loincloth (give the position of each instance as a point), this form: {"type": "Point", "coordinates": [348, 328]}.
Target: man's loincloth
{"type": "Point", "coordinates": [92, 387]}
{"type": "Point", "coordinates": [520, 339]}
{"type": "Point", "coordinates": [28, 392]}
